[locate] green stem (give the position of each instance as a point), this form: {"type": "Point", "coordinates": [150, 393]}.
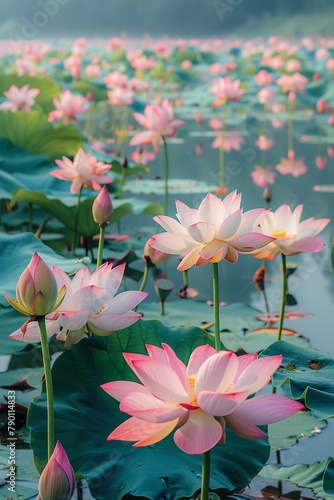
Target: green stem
{"type": "Point", "coordinates": [166, 175]}
{"type": "Point", "coordinates": [283, 300]}
{"type": "Point", "coordinates": [162, 307]}
{"type": "Point", "coordinates": [264, 290]}
{"type": "Point", "coordinates": [221, 150]}
{"type": "Point", "coordinates": [100, 247]}
{"type": "Point", "coordinates": [74, 238]}
{"type": "Point", "coordinates": [144, 280]}
{"type": "Point", "coordinates": [48, 384]}
{"type": "Point", "coordinates": [291, 105]}
{"type": "Point", "coordinates": [215, 287]}
{"type": "Point", "coordinates": [205, 476]}
{"type": "Point", "coordinates": [185, 278]}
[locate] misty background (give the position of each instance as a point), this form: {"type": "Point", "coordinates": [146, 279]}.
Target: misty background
{"type": "Point", "coordinates": [30, 19]}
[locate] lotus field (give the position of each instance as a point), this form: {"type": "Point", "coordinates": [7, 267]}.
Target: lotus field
{"type": "Point", "coordinates": [167, 268]}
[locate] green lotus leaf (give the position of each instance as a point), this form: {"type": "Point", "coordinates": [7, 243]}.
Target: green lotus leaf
{"type": "Point", "coordinates": [305, 373]}
{"type": "Point", "coordinates": [319, 476]}
{"type": "Point", "coordinates": [32, 132]}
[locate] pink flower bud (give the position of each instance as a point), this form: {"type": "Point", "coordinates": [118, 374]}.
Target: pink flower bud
{"type": "Point", "coordinates": [154, 256]}
{"type": "Point", "coordinates": [57, 479]}
{"type": "Point", "coordinates": [322, 106]}
{"type": "Point", "coordinates": [37, 292]}
{"type": "Point", "coordinates": [321, 162]}
{"type": "Point", "coordinates": [330, 151]}
{"type": "Point", "coordinates": [102, 207]}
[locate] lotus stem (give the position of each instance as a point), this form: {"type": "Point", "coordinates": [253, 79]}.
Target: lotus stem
{"type": "Point", "coordinates": [162, 307]}
{"type": "Point", "coordinates": [185, 278]}
{"type": "Point", "coordinates": [221, 150]}
{"type": "Point", "coordinates": [215, 287]}
{"type": "Point", "coordinates": [166, 175]}
{"type": "Point", "coordinates": [48, 384]}
{"type": "Point", "coordinates": [205, 476]}
{"type": "Point", "coordinates": [283, 300]}
{"type": "Point", "coordinates": [144, 280]}
{"type": "Point", "coordinates": [264, 290]}
{"type": "Point", "coordinates": [76, 218]}
{"type": "Point", "coordinates": [100, 247]}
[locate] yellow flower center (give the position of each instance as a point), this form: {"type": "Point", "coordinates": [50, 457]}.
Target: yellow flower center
{"type": "Point", "coordinates": [281, 234]}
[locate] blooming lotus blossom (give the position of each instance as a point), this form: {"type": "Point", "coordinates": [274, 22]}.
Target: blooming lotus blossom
{"type": "Point", "coordinates": [264, 143]}
{"type": "Point", "coordinates": [120, 96]}
{"type": "Point", "coordinates": [264, 95]}
{"type": "Point", "coordinates": [217, 230]}
{"type": "Point", "coordinates": [292, 83]}
{"type": "Point", "coordinates": [293, 65]}
{"type": "Point", "coordinates": [68, 106]}
{"type": "Point", "coordinates": [292, 236]}
{"type": "Point", "coordinates": [263, 78]}
{"type": "Point", "coordinates": [197, 399]}
{"type": "Point", "coordinates": [37, 293]}
{"type": "Point", "coordinates": [116, 79]}
{"type": "Point", "coordinates": [292, 165]}
{"type": "Point", "coordinates": [159, 122]}
{"type": "Point", "coordinates": [83, 171]}
{"type": "Point", "coordinates": [262, 176]}
{"type": "Point", "coordinates": [226, 90]}
{"type": "Point", "coordinates": [142, 156]}
{"type": "Point", "coordinates": [231, 141]}
{"type": "Point", "coordinates": [90, 305]}
{"type": "Point", "coordinates": [19, 98]}
{"type": "Point", "coordinates": [142, 63]}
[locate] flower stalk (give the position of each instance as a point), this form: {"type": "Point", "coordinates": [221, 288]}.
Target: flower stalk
{"type": "Point", "coordinates": [166, 174]}
{"type": "Point", "coordinates": [48, 385]}
{"type": "Point", "coordinates": [215, 287]}
{"type": "Point", "coordinates": [205, 476]}
{"type": "Point", "coordinates": [283, 300]}
{"type": "Point", "coordinates": [76, 218]}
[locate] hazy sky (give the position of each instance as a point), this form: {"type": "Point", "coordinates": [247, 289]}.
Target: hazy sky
{"type": "Point", "coordinates": [43, 18]}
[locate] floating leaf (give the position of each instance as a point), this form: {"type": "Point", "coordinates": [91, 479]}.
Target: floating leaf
{"type": "Point", "coordinates": [32, 132]}
{"type": "Point", "coordinates": [315, 386]}
{"type": "Point", "coordinates": [175, 186]}
{"type": "Point", "coordinates": [319, 477]}
{"type": "Point", "coordinates": [286, 433]}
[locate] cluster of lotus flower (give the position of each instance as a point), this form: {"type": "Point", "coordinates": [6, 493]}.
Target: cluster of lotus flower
{"type": "Point", "coordinates": [213, 389]}
{"type": "Point", "coordinates": [283, 77]}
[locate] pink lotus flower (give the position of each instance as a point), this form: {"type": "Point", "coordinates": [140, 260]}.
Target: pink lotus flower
{"type": "Point", "coordinates": [120, 96]}
{"type": "Point", "coordinates": [142, 63]}
{"type": "Point", "coordinates": [90, 305]}
{"type": "Point", "coordinates": [142, 156]}
{"type": "Point", "coordinates": [264, 143]}
{"type": "Point", "coordinates": [83, 171]}
{"type": "Point", "coordinates": [292, 165]}
{"type": "Point", "coordinates": [68, 106]}
{"type": "Point", "coordinates": [37, 293]}
{"type": "Point", "coordinates": [151, 255]}
{"type": "Point", "coordinates": [292, 83]}
{"type": "Point", "coordinates": [217, 230]}
{"type": "Point", "coordinates": [263, 78]}
{"type": "Point", "coordinates": [321, 161]}
{"type": "Point", "coordinates": [159, 122]}
{"type": "Point", "coordinates": [198, 399]}
{"type": "Point", "coordinates": [57, 480]}
{"type": "Point", "coordinates": [292, 236]}
{"type": "Point", "coordinates": [116, 79]}
{"type": "Point", "coordinates": [293, 65]}
{"type": "Point", "coordinates": [232, 141]}
{"type": "Point", "coordinates": [19, 98]}
{"type": "Point", "coordinates": [226, 90]}
{"type": "Point", "coordinates": [262, 176]}
{"type": "Point", "coordinates": [264, 95]}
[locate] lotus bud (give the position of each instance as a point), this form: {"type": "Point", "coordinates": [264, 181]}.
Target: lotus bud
{"type": "Point", "coordinates": [321, 161]}
{"type": "Point", "coordinates": [102, 207]}
{"type": "Point", "coordinates": [37, 291]}
{"type": "Point", "coordinates": [330, 151]}
{"type": "Point", "coordinates": [322, 106]}
{"type": "Point", "coordinates": [153, 256]}
{"type": "Point", "coordinates": [57, 480]}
